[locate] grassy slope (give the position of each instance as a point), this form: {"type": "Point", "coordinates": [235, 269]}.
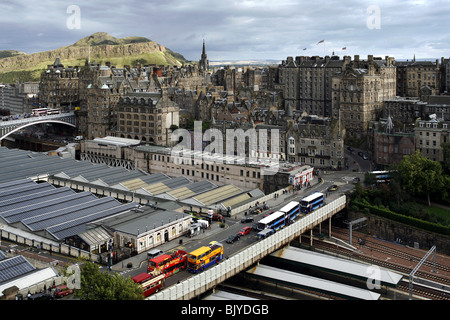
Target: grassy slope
{"type": "Point", "coordinates": [34, 73]}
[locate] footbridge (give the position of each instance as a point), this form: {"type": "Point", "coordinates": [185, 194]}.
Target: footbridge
{"type": "Point", "coordinates": [9, 127]}
{"type": "Point", "coordinates": [200, 283]}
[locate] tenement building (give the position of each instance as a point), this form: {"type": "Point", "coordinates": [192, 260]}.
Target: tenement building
{"type": "Point", "coordinates": [307, 82]}
{"type": "Point", "coordinates": [430, 135]}
{"type": "Point", "coordinates": [148, 116]}
{"type": "Point", "coordinates": [418, 78]}
{"type": "Point", "coordinates": [315, 141]}
{"type": "Point", "coordinates": [59, 86]}
{"type": "Point", "coordinates": [359, 92]}
{"type": "Point", "coordinates": [391, 144]}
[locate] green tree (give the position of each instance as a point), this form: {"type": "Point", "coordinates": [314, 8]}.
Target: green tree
{"type": "Point", "coordinates": [421, 176]}
{"type": "Point", "coordinates": [98, 285]}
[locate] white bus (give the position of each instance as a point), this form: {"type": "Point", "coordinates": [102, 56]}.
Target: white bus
{"type": "Point", "coordinates": [312, 202]}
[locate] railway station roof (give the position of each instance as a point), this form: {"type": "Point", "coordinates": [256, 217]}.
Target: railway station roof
{"type": "Point", "coordinates": [60, 212]}
{"type": "Point", "coordinates": [336, 265]}
{"type": "Point", "coordinates": [308, 282]}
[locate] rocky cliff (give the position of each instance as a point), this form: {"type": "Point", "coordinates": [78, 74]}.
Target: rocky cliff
{"type": "Point", "coordinates": [119, 51]}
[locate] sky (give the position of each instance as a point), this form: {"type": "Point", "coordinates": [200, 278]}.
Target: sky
{"type": "Point", "coordinates": [237, 29]}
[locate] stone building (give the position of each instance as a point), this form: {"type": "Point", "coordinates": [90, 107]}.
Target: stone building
{"type": "Point", "coordinates": [390, 144]}
{"type": "Point", "coordinates": [315, 141]}
{"type": "Point", "coordinates": [59, 86]}
{"type": "Point", "coordinates": [415, 76]}
{"type": "Point", "coordinates": [359, 92]}
{"type": "Point", "coordinates": [307, 82]}
{"type": "Point", "coordinates": [429, 136]}
{"type": "Point", "coordinates": [147, 116]}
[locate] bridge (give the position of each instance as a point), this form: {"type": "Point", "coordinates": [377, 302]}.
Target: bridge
{"type": "Point", "coordinates": [200, 283]}
{"type": "Point", "coordinates": [9, 127]}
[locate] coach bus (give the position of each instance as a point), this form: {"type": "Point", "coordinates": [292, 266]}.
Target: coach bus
{"type": "Point", "coordinates": [312, 202]}
{"type": "Point", "coordinates": [167, 264]}
{"type": "Point", "coordinates": [275, 221]}
{"type": "Point", "coordinates": [150, 284]}
{"type": "Point", "coordinates": [291, 210]}
{"type": "Point", "coordinates": [204, 257]}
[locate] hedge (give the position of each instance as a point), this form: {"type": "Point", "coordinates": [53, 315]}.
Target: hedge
{"type": "Point", "coordinates": [425, 225]}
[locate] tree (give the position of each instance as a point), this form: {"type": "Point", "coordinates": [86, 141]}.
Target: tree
{"type": "Point", "coordinates": [98, 285]}
{"type": "Point", "coordinates": [421, 176]}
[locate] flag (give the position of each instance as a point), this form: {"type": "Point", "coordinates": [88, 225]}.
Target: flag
{"type": "Point", "coordinates": [320, 41]}
{"type": "Point", "coordinates": [344, 48]}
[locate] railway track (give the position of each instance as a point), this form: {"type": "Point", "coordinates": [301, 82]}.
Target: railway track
{"type": "Point", "coordinates": [412, 259]}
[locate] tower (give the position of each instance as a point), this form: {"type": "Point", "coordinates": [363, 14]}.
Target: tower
{"type": "Point", "coordinates": [203, 64]}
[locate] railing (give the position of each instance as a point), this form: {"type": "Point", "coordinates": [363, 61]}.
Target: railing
{"type": "Point", "coordinates": [198, 284]}
{"type": "Point", "coordinates": [15, 123]}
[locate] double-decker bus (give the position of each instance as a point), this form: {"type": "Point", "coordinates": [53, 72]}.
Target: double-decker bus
{"type": "Point", "coordinates": [39, 112]}
{"type": "Point", "coordinates": [275, 221]}
{"type": "Point", "coordinates": [312, 202]}
{"type": "Point", "coordinates": [167, 264]}
{"type": "Point", "coordinates": [149, 283]}
{"type": "Point", "coordinates": [204, 257]}
{"type": "Point", "coordinates": [291, 210]}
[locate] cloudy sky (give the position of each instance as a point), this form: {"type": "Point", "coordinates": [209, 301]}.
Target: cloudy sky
{"type": "Point", "coordinates": [237, 29]}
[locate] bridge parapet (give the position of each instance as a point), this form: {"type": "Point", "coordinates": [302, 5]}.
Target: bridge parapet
{"type": "Point", "coordinates": [7, 127]}
{"type": "Point", "coordinates": [200, 283]}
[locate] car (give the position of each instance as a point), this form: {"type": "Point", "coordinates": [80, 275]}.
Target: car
{"type": "Point", "coordinates": [233, 238]}
{"type": "Point", "coordinates": [61, 291]}
{"type": "Point", "coordinates": [40, 296]}
{"type": "Point", "coordinates": [365, 157]}
{"type": "Point", "coordinates": [244, 231]}
{"type": "Point", "coordinates": [247, 219]}
{"type": "Point", "coordinates": [360, 154]}
{"type": "Point", "coordinates": [333, 188]}
{"type": "Point", "coordinates": [355, 180]}
{"type": "Point", "coordinates": [350, 149]}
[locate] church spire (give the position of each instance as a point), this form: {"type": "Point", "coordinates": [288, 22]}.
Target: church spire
{"type": "Point", "coordinates": [204, 63]}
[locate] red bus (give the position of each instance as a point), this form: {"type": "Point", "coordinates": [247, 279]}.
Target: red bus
{"type": "Point", "coordinates": [168, 264]}
{"type": "Point", "coordinates": [149, 283]}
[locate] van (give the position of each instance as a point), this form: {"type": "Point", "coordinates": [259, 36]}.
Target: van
{"type": "Point", "coordinates": [154, 253]}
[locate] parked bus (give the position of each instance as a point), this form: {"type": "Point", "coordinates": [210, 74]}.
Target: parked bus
{"type": "Point", "coordinates": [312, 202]}
{"type": "Point", "coordinates": [39, 112]}
{"type": "Point", "coordinates": [291, 210]}
{"type": "Point", "coordinates": [204, 257]}
{"type": "Point", "coordinates": [167, 264]}
{"type": "Point", "coordinates": [149, 283]}
{"type": "Point", "coordinates": [381, 176]}
{"type": "Point", "coordinates": [275, 221]}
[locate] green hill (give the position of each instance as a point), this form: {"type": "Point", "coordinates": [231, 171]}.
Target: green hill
{"type": "Point", "coordinates": [101, 47]}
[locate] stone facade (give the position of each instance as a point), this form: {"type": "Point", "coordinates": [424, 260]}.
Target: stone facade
{"type": "Point", "coordinates": [429, 135]}
{"type": "Point", "coordinates": [418, 78]}
{"type": "Point", "coordinates": [147, 117]}
{"type": "Point", "coordinates": [315, 141]}
{"type": "Point", "coordinates": [359, 93]}
{"type": "Point", "coordinates": [59, 87]}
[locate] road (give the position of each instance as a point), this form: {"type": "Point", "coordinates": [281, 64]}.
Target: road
{"type": "Point", "coordinates": [234, 225]}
